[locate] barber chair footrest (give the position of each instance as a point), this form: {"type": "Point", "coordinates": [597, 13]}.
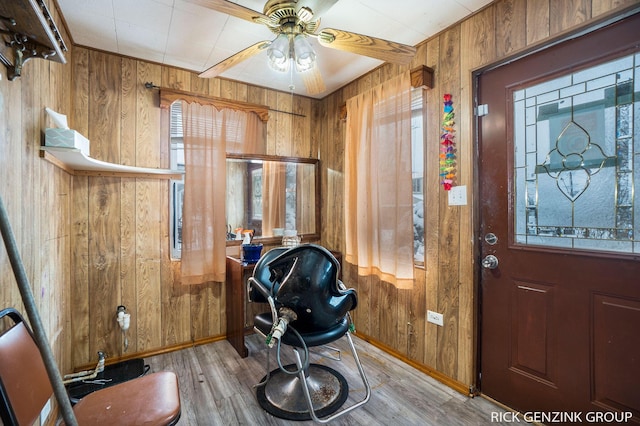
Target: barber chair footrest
{"type": "Point", "coordinates": [283, 396]}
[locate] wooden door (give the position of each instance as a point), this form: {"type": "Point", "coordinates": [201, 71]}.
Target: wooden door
{"type": "Point", "coordinates": [559, 200]}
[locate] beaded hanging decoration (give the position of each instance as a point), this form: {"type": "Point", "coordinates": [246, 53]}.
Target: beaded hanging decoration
{"type": "Point", "coordinates": [447, 146]}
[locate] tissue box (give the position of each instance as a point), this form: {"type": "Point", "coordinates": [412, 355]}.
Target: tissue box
{"type": "Point", "coordinates": [66, 138]}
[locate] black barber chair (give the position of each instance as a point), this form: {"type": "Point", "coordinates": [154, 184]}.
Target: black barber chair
{"type": "Point", "coordinates": [309, 308]}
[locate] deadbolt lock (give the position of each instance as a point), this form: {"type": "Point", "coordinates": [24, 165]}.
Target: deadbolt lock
{"type": "Point", "coordinates": [491, 238]}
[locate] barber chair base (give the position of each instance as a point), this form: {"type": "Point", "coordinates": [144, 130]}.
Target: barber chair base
{"type": "Point", "coordinates": [283, 395]}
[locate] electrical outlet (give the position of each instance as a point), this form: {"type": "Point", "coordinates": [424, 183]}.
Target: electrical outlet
{"type": "Point", "coordinates": [458, 196]}
{"type": "Point", "coordinates": [44, 414]}
{"type": "Point", "coordinates": [435, 318]}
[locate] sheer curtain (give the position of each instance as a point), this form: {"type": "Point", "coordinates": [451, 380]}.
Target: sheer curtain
{"type": "Point", "coordinates": [209, 133]}
{"type": "Point", "coordinates": [273, 204]}
{"type": "Point", "coordinates": [378, 192]}
{"type": "Point", "coordinates": [306, 201]}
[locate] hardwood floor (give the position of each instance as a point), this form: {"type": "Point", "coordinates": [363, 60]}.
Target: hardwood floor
{"type": "Point", "coordinates": [216, 387]}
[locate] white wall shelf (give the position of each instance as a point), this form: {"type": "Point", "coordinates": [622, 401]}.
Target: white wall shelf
{"type": "Point", "coordinates": [76, 163]}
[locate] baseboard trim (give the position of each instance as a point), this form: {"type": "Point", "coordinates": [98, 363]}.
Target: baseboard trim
{"type": "Point", "coordinates": [454, 384]}
{"type": "Point", "coordinates": [160, 351]}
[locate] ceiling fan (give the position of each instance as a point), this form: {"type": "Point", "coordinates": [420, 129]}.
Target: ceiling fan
{"type": "Point", "coordinates": [293, 22]}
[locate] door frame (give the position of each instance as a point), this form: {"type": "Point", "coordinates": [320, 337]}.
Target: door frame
{"type": "Point", "coordinates": [562, 37]}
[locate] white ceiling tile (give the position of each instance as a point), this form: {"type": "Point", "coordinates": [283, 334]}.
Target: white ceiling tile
{"type": "Point", "coordinates": [95, 31]}
{"type": "Point", "coordinates": [187, 35]}
{"type": "Point", "coordinates": [141, 39]}
{"type": "Point", "coordinates": [239, 37]}
{"type": "Point", "coordinates": [472, 5]}
{"type": "Point", "coordinates": [188, 26]}
{"type": "Point", "coordinates": [143, 13]}
{"type": "Point", "coordinates": [102, 8]}
{"type": "Point", "coordinates": [194, 55]}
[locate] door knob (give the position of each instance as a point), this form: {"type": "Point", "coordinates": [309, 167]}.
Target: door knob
{"type": "Point", "coordinates": [490, 262]}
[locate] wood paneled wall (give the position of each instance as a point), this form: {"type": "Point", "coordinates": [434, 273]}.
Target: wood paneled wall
{"type": "Point", "coordinates": [93, 243]}
{"type": "Point", "coordinates": [37, 195]}
{"type": "Point", "coordinates": [396, 319]}
{"type": "Point", "coordinates": [120, 226]}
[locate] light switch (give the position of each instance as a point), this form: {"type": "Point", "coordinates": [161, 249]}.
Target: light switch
{"type": "Point", "coordinates": [458, 196]}
{"type": "Point", "coordinates": [435, 318]}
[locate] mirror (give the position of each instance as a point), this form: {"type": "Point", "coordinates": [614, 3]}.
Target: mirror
{"type": "Point", "coordinates": [265, 194]}
{"type": "Point", "coordinates": [270, 194]}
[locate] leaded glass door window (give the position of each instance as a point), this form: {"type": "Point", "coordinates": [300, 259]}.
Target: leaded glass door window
{"type": "Point", "coordinates": [577, 159]}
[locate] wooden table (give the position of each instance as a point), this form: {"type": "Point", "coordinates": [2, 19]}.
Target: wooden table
{"type": "Point", "coordinates": [236, 282]}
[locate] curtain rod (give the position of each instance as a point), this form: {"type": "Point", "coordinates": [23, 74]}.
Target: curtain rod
{"type": "Point", "coordinates": [287, 112]}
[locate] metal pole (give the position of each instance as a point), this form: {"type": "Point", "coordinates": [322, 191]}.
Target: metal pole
{"type": "Point", "coordinates": [34, 318]}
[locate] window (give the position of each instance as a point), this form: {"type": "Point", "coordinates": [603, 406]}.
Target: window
{"type": "Point", "coordinates": [177, 162]}
{"type": "Point", "coordinates": [574, 159]}
{"type": "Point", "coordinates": [417, 173]}
{"type": "Point", "coordinates": [417, 139]}
{"type": "Point", "coordinates": [252, 220]}
{"type": "Point", "coordinates": [177, 186]}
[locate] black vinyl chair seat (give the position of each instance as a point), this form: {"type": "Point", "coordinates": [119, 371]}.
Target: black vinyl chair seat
{"type": "Point", "coordinates": [264, 322]}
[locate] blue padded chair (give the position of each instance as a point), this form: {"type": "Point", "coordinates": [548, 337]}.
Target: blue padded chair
{"type": "Point", "coordinates": [309, 308]}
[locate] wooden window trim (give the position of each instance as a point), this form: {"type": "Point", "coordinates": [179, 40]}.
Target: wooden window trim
{"type": "Point", "coordinates": [168, 96]}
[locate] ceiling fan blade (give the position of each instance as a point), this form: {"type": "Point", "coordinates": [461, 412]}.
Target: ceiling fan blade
{"type": "Point", "coordinates": [378, 48]}
{"type": "Point", "coordinates": [313, 81]}
{"type": "Point", "coordinates": [232, 9]}
{"type": "Point", "coordinates": [231, 61]}
{"type": "Point", "coordinates": [318, 7]}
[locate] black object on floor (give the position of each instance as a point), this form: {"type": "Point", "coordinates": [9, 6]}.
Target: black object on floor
{"type": "Point", "coordinates": [112, 375]}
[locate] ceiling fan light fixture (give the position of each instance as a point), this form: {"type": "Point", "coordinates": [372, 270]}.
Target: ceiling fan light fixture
{"type": "Point", "coordinates": [305, 56]}
{"type": "Point", "coordinates": [278, 53]}
{"type": "Point", "coordinates": [292, 21]}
